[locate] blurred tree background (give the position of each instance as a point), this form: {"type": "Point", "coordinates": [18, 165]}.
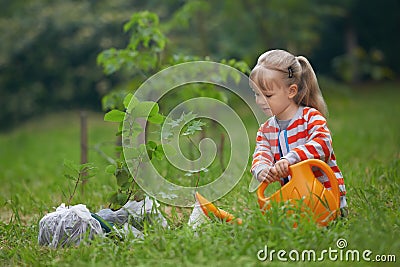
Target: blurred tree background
{"type": "Point", "coordinates": [48, 48]}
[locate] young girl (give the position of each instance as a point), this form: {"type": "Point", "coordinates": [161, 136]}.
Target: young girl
{"type": "Point", "coordinates": [287, 89]}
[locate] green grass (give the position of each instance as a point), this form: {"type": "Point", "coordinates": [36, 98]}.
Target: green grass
{"type": "Point", "coordinates": [32, 156]}
{"type": "Point", "coordinates": [366, 138]}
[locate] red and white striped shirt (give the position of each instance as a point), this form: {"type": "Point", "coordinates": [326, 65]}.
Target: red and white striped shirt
{"type": "Point", "coordinates": [306, 137]}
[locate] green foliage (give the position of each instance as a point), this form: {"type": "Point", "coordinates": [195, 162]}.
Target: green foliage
{"type": "Point", "coordinates": [48, 54]}
{"type": "Point", "coordinates": [125, 178]}
{"type": "Point", "coordinates": [113, 100]}
{"type": "Point", "coordinates": [141, 56]}
{"type": "Point", "coordinates": [127, 186]}
{"type": "Point", "coordinates": [79, 174]}
{"type": "Point", "coordinates": [145, 43]}
{"type": "Point", "coordinates": [188, 127]}
{"type": "Point", "coordinates": [114, 116]}
{"type": "Point", "coordinates": [183, 17]}
{"type": "Point", "coordinates": [145, 32]}
{"type": "Point", "coordinates": [192, 127]}
{"type": "Point", "coordinates": [361, 65]}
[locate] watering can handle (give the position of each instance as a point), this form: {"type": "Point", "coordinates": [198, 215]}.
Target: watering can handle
{"type": "Point", "coordinates": [329, 173]}
{"type": "Point", "coordinates": [312, 163]}
{"type": "Point", "coordinates": [260, 191]}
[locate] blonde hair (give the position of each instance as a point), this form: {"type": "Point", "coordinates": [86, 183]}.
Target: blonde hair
{"type": "Point", "coordinates": [295, 70]}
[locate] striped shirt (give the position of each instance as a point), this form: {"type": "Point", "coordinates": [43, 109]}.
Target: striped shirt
{"type": "Point", "coordinates": [306, 137]}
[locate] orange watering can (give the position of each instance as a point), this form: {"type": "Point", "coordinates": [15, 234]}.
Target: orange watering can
{"type": "Point", "coordinates": [303, 186]}
{"type": "Point", "coordinates": [208, 208]}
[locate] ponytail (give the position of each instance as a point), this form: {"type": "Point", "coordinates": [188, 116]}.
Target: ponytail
{"type": "Point", "coordinates": [309, 93]}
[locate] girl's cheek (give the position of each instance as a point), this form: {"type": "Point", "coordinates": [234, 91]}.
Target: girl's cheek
{"type": "Point", "coordinates": [259, 100]}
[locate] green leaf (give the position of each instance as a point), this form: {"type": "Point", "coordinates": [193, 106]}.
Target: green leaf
{"type": "Point", "coordinates": [111, 169]}
{"type": "Point", "coordinates": [122, 178]}
{"type": "Point", "coordinates": [70, 177]}
{"type": "Point", "coordinates": [193, 126]}
{"type": "Point", "coordinates": [159, 152]}
{"type": "Point", "coordinates": [142, 150]}
{"type": "Point", "coordinates": [150, 153]}
{"type": "Point", "coordinates": [145, 109]}
{"type": "Point", "coordinates": [155, 109]}
{"type": "Point", "coordinates": [120, 127]}
{"type": "Point", "coordinates": [122, 198]}
{"type": "Point", "coordinates": [87, 167]}
{"type": "Point", "coordinates": [113, 198]}
{"type": "Point", "coordinates": [188, 117]}
{"type": "Point", "coordinates": [127, 100]}
{"type": "Point", "coordinates": [114, 116]}
{"type": "Point", "coordinates": [163, 149]}
{"type": "Point", "coordinates": [156, 119]}
{"type": "Point", "coordinates": [130, 102]}
{"type": "Point", "coordinates": [174, 123]}
{"type": "Point", "coordinates": [113, 100]}
{"type": "Point", "coordinates": [126, 186]}
{"type": "Point", "coordinates": [68, 164]}
{"type": "Point", "coordinates": [151, 145]}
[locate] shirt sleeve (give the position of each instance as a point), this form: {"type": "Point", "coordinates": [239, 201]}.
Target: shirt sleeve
{"type": "Point", "coordinates": [262, 157]}
{"type": "Point", "coordinates": [319, 142]}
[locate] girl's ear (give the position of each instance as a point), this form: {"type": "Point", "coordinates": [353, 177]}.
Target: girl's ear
{"type": "Point", "coordinates": [293, 89]}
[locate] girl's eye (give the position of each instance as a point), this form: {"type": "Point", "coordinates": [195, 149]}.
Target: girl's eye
{"type": "Point", "coordinates": [268, 96]}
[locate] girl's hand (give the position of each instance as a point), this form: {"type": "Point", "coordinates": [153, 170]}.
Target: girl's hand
{"type": "Point", "coordinates": [282, 168]}
{"type": "Point", "coordinates": [268, 175]}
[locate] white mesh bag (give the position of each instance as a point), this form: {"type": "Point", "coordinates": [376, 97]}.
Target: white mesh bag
{"type": "Point", "coordinates": [197, 217]}
{"type": "Point", "coordinates": [67, 226]}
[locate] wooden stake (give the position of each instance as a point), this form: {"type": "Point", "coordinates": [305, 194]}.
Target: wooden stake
{"type": "Point", "coordinates": [84, 145]}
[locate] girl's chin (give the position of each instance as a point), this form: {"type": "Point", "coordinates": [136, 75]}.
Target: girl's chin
{"type": "Point", "coordinates": [267, 111]}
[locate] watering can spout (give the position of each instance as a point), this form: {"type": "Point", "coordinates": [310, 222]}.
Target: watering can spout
{"type": "Point", "coordinates": [304, 186]}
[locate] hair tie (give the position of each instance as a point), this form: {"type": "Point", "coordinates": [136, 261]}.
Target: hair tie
{"type": "Point", "coordinates": [290, 70]}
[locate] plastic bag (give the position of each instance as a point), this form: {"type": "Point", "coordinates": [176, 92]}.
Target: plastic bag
{"type": "Point", "coordinates": [135, 213]}
{"type": "Point", "coordinates": [145, 210]}
{"type": "Point", "coordinates": [67, 226]}
{"type": "Point", "coordinates": [197, 217]}
{"type": "Point", "coordinates": [118, 217]}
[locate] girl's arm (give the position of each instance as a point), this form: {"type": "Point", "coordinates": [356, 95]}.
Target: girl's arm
{"type": "Point", "coordinates": [318, 144]}
{"type": "Point", "coordinates": [262, 158]}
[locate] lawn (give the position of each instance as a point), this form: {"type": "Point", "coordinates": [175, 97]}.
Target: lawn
{"type": "Point", "coordinates": [366, 139]}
